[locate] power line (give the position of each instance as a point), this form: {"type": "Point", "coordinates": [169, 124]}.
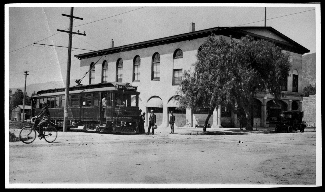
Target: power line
{"type": "Point", "coordinates": [76, 26]}
{"type": "Point", "coordinates": [33, 43]}
{"type": "Point", "coordinates": [278, 17]}
{"type": "Point", "coordinates": [61, 46]}
{"type": "Point", "coordinates": [109, 17]}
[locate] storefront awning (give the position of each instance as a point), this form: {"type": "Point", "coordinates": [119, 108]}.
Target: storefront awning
{"type": "Point", "coordinates": [155, 102]}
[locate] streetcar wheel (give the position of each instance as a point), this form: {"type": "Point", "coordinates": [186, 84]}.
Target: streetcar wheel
{"type": "Point", "coordinates": [27, 135]}
{"type": "Point", "coordinates": [50, 134]}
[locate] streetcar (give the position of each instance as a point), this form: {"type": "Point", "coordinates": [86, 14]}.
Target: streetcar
{"type": "Point", "coordinates": [104, 107]}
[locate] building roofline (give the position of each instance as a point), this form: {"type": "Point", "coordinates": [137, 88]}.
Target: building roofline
{"type": "Point", "coordinates": [240, 31]}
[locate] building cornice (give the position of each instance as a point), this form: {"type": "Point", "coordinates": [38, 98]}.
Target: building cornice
{"type": "Point", "coordinates": [236, 32]}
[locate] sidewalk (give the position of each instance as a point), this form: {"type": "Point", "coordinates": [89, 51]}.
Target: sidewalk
{"type": "Point", "coordinates": [221, 131]}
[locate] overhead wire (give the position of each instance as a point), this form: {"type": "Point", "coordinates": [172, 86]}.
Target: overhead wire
{"type": "Point", "coordinates": [278, 17]}
{"type": "Point", "coordinates": [75, 26]}
{"type": "Point", "coordinates": [109, 17]}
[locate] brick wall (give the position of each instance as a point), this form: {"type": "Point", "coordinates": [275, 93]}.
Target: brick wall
{"type": "Point", "coordinates": [309, 108]}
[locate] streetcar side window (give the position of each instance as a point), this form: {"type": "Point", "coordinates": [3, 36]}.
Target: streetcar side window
{"type": "Point", "coordinates": [134, 100]}
{"type": "Point", "coordinates": [51, 102]}
{"type": "Point", "coordinates": [127, 99]}
{"type": "Point", "coordinates": [38, 103]}
{"type": "Point", "coordinates": [96, 99]}
{"type": "Point", "coordinates": [109, 99]}
{"type": "Point", "coordinates": [62, 100]}
{"type": "Point", "coordinates": [57, 102]}
{"type": "Point", "coordinates": [74, 100]}
{"type": "Point", "coordinates": [87, 99]}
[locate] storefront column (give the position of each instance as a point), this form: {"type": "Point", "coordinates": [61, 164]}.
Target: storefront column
{"type": "Point", "coordinates": [289, 105]}
{"type": "Point", "coordinates": [216, 117]}
{"type": "Point", "coordinates": [189, 117]}
{"type": "Point", "coordinates": [165, 116]}
{"type": "Point", "coordinates": [300, 106]}
{"type": "Point", "coordinates": [264, 113]}
{"type": "Point", "coordinates": [147, 117]}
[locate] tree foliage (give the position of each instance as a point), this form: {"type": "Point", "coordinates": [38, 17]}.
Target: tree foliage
{"type": "Point", "coordinates": [309, 90]}
{"type": "Point", "coordinates": [17, 99]}
{"type": "Point", "coordinates": [232, 72]}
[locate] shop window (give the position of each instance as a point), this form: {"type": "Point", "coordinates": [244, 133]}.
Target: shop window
{"type": "Point", "coordinates": [136, 67]}
{"type": "Point", "coordinates": [119, 68]}
{"type": "Point", "coordinates": [92, 73]}
{"type": "Point", "coordinates": [155, 72]}
{"type": "Point", "coordinates": [178, 54]}
{"type": "Point", "coordinates": [294, 83]}
{"type": "Point", "coordinates": [284, 86]}
{"type": "Point", "coordinates": [177, 76]}
{"type": "Point", "coordinates": [104, 72]}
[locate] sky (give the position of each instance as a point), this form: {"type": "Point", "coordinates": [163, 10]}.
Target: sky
{"type": "Point", "coordinates": [26, 24]}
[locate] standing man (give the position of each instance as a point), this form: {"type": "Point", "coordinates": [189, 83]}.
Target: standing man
{"type": "Point", "coordinates": [171, 122]}
{"type": "Point", "coordinates": [152, 122]}
{"type": "Point", "coordinates": [142, 120]}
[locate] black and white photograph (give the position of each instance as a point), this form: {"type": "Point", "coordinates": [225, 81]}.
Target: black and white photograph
{"type": "Point", "coordinates": [162, 95]}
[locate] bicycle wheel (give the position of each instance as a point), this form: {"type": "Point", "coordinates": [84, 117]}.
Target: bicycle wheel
{"type": "Point", "coordinates": [27, 135]}
{"type": "Point", "coordinates": [50, 134]}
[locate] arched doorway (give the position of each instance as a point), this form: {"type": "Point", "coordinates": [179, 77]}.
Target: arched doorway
{"type": "Point", "coordinates": [273, 111]}
{"type": "Point", "coordinates": [155, 103]}
{"type": "Point", "coordinates": [295, 105]}
{"type": "Point", "coordinates": [180, 114]}
{"type": "Point", "coordinates": [257, 113]}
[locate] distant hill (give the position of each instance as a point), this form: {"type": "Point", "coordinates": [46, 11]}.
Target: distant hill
{"type": "Point", "coordinates": [308, 69]}
{"type": "Point", "coordinates": [41, 86]}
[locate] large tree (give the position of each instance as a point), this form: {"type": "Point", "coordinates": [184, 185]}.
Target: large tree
{"type": "Point", "coordinates": [17, 99]}
{"type": "Point", "coordinates": [231, 72]}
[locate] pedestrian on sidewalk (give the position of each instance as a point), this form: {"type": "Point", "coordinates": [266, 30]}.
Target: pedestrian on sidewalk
{"type": "Point", "coordinates": [152, 122]}
{"type": "Point", "coordinates": [142, 120]}
{"type": "Point", "coordinates": [171, 122]}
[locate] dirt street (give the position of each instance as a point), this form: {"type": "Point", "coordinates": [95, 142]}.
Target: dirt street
{"type": "Point", "coordinates": [94, 158]}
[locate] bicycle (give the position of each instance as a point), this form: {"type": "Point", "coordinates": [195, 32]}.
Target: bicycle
{"type": "Point", "coordinates": [28, 133]}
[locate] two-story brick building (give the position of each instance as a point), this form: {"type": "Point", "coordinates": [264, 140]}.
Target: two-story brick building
{"type": "Point", "coordinates": [156, 67]}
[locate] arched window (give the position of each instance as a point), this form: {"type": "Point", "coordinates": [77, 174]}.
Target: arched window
{"type": "Point", "coordinates": [177, 71]}
{"type": "Point", "coordinates": [136, 67]}
{"type": "Point", "coordinates": [119, 68]}
{"type": "Point", "coordinates": [92, 73]}
{"type": "Point", "coordinates": [155, 74]}
{"type": "Point", "coordinates": [104, 72]}
{"type": "Point", "coordinates": [284, 86]}
{"type": "Point", "coordinates": [295, 81]}
{"type": "Point", "coordinates": [178, 54]}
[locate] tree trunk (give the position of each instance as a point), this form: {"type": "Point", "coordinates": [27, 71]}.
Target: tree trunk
{"type": "Point", "coordinates": [207, 120]}
{"type": "Point", "coordinates": [249, 121]}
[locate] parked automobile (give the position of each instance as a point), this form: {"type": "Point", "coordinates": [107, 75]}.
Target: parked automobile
{"type": "Point", "coordinates": [290, 121]}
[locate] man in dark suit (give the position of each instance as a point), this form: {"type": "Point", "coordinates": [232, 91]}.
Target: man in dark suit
{"type": "Point", "coordinates": [171, 122]}
{"type": "Point", "coordinates": [152, 122]}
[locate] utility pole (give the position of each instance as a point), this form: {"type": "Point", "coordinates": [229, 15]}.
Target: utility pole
{"type": "Point", "coordinates": [265, 18]}
{"type": "Point", "coordinates": [67, 83]}
{"type": "Point", "coordinates": [26, 73]}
